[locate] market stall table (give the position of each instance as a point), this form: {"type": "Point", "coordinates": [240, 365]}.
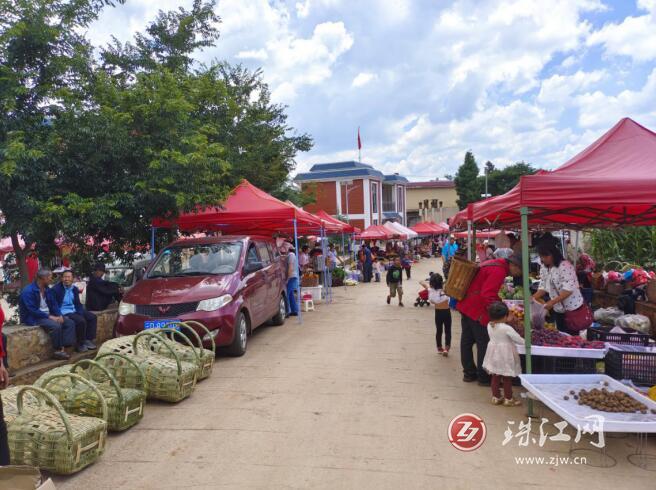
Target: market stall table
{"type": "Point", "coordinates": [551, 389]}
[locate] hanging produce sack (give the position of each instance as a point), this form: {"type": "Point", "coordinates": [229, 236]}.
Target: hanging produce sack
{"type": "Point", "coordinates": [461, 275]}
{"type": "Point", "coordinates": [77, 395]}
{"type": "Point", "coordinates": [125, 406]}
{"type": "Point", "coordinates": [47, 437]}
{"type": "Point", "coordinates": [206, 356]}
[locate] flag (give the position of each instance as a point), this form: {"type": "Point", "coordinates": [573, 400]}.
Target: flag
{"type": "Point", "coordinates": [359, 140]}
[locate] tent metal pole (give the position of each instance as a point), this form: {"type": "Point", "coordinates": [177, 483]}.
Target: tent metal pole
{"type": "Point", "coordinates": [152, 242]}
{"type": "Point", "coordinates": [524, 211]}
{"type": "Point", "coordinates": [298, 286]}
{"type": "Point", "coordinates": [469, 239]}
{"type": "Point", "coordinates": [473, 253]}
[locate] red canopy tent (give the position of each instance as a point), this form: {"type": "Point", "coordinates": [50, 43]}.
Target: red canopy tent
{"type": "Point", "coordinates": [479, 234]}
{"type": "Point", "coordinates": [345, 227]}
{"type": "Point", "coordinates": [611, 182]}
{"type": "Point", "coordinates": [247, 209]}
{"type": "Point", "coordinates": [377, 232]}
{"type": "Point", "coordinates": [428, 228]}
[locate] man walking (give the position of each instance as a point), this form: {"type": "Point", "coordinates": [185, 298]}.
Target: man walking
{"type": "Point", "coordinates": [395, 281]}
{"type": "Point", "coordinates": [68, 299]}
{"type": "Point", "coordinates": [483, 291]}
{"type": "Point", "coordinates": [38, 306]}
{"type": "Point", "coordinates": [367, 267]}
{"type": "Point", "coordinates": [448, 252]}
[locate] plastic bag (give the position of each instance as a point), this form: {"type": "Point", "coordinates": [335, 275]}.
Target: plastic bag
{"type": "Point", "coordinates": [538, 314]}
{"type": "Point", "coordinates": [640, 323]}
{"type": "Point", "coordinates": [608, 315]}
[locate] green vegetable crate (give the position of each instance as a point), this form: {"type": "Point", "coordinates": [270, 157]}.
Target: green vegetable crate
{"type": "Point", "coordinates": [47, 437]}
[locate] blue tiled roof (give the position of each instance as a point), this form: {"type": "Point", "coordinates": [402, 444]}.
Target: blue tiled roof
{"type": "Point", "coordinates": [337, 170]}
{"type": "Point", "coordinates": [395, 178]}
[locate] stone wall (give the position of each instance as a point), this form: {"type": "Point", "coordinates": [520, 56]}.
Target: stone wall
{"type": "Point", "coordinates": [27, 346]}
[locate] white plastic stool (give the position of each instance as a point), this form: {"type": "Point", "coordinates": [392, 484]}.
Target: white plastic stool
{"type": "Point", "coordinates": [308, 303]}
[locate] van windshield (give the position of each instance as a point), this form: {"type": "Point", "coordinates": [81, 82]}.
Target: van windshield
{"type": "Point", "coordinates": [197, 260]}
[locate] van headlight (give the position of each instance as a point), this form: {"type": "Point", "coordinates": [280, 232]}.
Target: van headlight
{"type": "Point", "coordinates": [126, 308]}
{"type": "Point", "coordinates": [213, 304]}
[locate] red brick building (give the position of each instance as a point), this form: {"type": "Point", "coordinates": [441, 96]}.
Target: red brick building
{"type": "Point", "coordinates": [355, 191]}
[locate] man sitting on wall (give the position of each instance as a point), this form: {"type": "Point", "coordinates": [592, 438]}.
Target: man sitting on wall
{"type": "Point", "coordinates": [38, 306]}
{"type": "Point", "coordinates": [101, 293]}
{"type": "Point", "coordinates": [68, 299]}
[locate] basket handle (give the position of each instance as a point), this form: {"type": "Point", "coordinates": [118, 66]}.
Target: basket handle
{"type": "Point", "coordinates": [84, 381]}
{"type": "Point", "coordinates": [193, 323]}
{"type": "Point", "coordinates": [43, 394]}
{"type": "Point", "coordinates": [148, 333]}
{"type": "Point", "coordinates": [142, 384]}
{"type": "Point", "coordinates": [174, 332]}
{"type": "Point", "coordinates": [93, 364]}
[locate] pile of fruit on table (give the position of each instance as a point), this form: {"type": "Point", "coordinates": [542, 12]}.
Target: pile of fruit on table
{"type": "Point", "coordinates": [550, 338]}
{"type": "Point", "coordinates": [608, 401]}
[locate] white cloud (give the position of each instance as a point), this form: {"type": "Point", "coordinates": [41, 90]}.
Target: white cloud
{"type": "Point", "coordinates": [363, 78]}
{"type": "Point", "coordinates": [634, 37]}
{"type": "Point", "coordinates": [557, 90]}
{"type": "Point", "coordinates": [252, 54]}
{"type": "Point", "coordinates": [303, 9]}
{"type": "Point", "coordinates": [598, 110]}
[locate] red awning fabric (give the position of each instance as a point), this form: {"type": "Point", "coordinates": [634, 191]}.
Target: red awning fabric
{"type": "Point", "coordinates": [246, 210]}
{"type": "Point", "coordinates": [429, 228]}
{"type": "Point", "coordinates": [377, 232]}
{"type": "Point", "coordinates": [344, 227]}
{"type": "Point", "coordinates": [479, 234]}
{"type": "Point", "coordinates": [610, 183]}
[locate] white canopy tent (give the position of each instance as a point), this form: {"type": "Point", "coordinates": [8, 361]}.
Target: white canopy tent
{"type": "Point", "coordinates": [400, 229]}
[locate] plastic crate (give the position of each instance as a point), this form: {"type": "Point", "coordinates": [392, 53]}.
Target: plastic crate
{"type": "Point", "coordinates": [632, 362]}
{"type": "Point", "coordinates": [631, 338]}
{"type": "Point", "coordinates": [563, 365]}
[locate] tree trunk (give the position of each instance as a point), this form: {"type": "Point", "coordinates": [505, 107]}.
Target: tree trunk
{"type": "Point", "coordinates": [21, 256]}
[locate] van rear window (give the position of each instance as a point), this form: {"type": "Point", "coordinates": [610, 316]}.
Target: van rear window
{"type": "Point", "coordinates": [197, 260]}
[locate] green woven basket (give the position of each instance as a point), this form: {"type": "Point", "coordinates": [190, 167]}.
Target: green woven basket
{"type": "Point", "coordinates": [124, 369]}
{"type": "Point", "coordinates": [207, 356]}
{"type": "Point", "coordinates": [47, 437]}
{"type": "Point", "coordinates": [125, 406]}
{"type": "Point", "coordinates": [9, 407]}
{"type": "Point", "coordinates": [78, 395]}
{"type": "Point", "coordinates": [188, 353]}
{"type": "Point", "coordinates": [118, 345]}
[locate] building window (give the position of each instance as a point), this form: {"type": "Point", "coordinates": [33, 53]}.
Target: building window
{"type": "Point", "coordinates": [375, 221]}
{"type": "Point", "coordinates": [374, 197]}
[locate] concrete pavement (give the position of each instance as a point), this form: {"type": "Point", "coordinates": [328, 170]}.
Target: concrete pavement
{"type": "Point", "coordinates": [354, 398]}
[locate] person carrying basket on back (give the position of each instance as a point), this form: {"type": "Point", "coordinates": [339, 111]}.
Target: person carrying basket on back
{"type": "Point", "coordinates": [482, 292]}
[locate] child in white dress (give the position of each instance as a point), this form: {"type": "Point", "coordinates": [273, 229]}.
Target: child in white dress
{"type": "Point", "coordinates": [501, 357]}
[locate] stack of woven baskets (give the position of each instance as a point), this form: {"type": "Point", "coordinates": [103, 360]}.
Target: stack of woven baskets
{"type": "Point", "coordinates": [61, 423]}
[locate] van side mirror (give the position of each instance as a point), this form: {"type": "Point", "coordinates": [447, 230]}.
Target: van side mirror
{"type": "Point", "coordinates": [252, 266]}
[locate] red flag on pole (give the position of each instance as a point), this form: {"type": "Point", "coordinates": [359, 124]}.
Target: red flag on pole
{"type": "Point", "coordinates": [359, 141]}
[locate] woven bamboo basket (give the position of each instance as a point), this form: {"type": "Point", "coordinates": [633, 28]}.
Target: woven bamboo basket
{"type": "Point", "coordinates": [125, 406]}
{"type": "Point", "coordinates": [9, 407]}
{"type": "Point", "coordinates": [125, 370]}
{"type": "Point", "coordinates": [118, 345]}
{"type": "Point", "coordinates": [48, 438]}
{"type": "Point", "coordinates": [78, 395]}
{"type": "Point", "coordinates": [461, 274]}
{"type": "Point", "coordinates": [207, 356]}
{"type": "Point", "coordinates": [185, 348]}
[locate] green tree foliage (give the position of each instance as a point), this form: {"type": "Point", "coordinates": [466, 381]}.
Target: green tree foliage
{"type": "Point", "coordinates": [500, 181]}
{"type": "Point", "coordinates": [97, 149]}
{"type": "Point", "coordinates": [468, 185]}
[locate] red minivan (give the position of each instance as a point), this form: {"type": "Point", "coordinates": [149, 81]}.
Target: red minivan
{"type": "Point", "coordinates": [231, 284]}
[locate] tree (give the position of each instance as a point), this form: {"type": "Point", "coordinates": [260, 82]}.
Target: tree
{"type": "Point", "coordinates": [502, 180]}
{"type": "Point", "coordinates": [44, 60]}
{"type": "Point", "coordinates": [468, 185]}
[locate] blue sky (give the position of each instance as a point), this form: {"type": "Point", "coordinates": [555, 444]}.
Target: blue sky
{"type": "Point", "coordinates": [532, 80]}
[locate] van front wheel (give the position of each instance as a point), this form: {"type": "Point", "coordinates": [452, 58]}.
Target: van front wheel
{"type": "Point", "coordinates": [240, 340]}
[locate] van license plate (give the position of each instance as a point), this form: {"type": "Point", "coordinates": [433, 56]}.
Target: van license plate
{"type": "Point", "coordinates": [160, 324]}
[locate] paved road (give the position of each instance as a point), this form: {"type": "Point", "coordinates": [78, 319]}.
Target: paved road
{"type": "Point", "coordinates": [356, 397]}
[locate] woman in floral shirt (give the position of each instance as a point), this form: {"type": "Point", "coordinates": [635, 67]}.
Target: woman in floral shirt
{"type": "Point", "coordinates": [558, 280]}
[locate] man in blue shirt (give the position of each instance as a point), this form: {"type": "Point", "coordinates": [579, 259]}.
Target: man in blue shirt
{"type": "Point", "coordinates": [292, 282]}
{"type": "Point", "coordinates": [68, 298]}
{"type": "Point", "coordinates": [448, 252]}
{"type": "Point", "coordinates": [38, 306]}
